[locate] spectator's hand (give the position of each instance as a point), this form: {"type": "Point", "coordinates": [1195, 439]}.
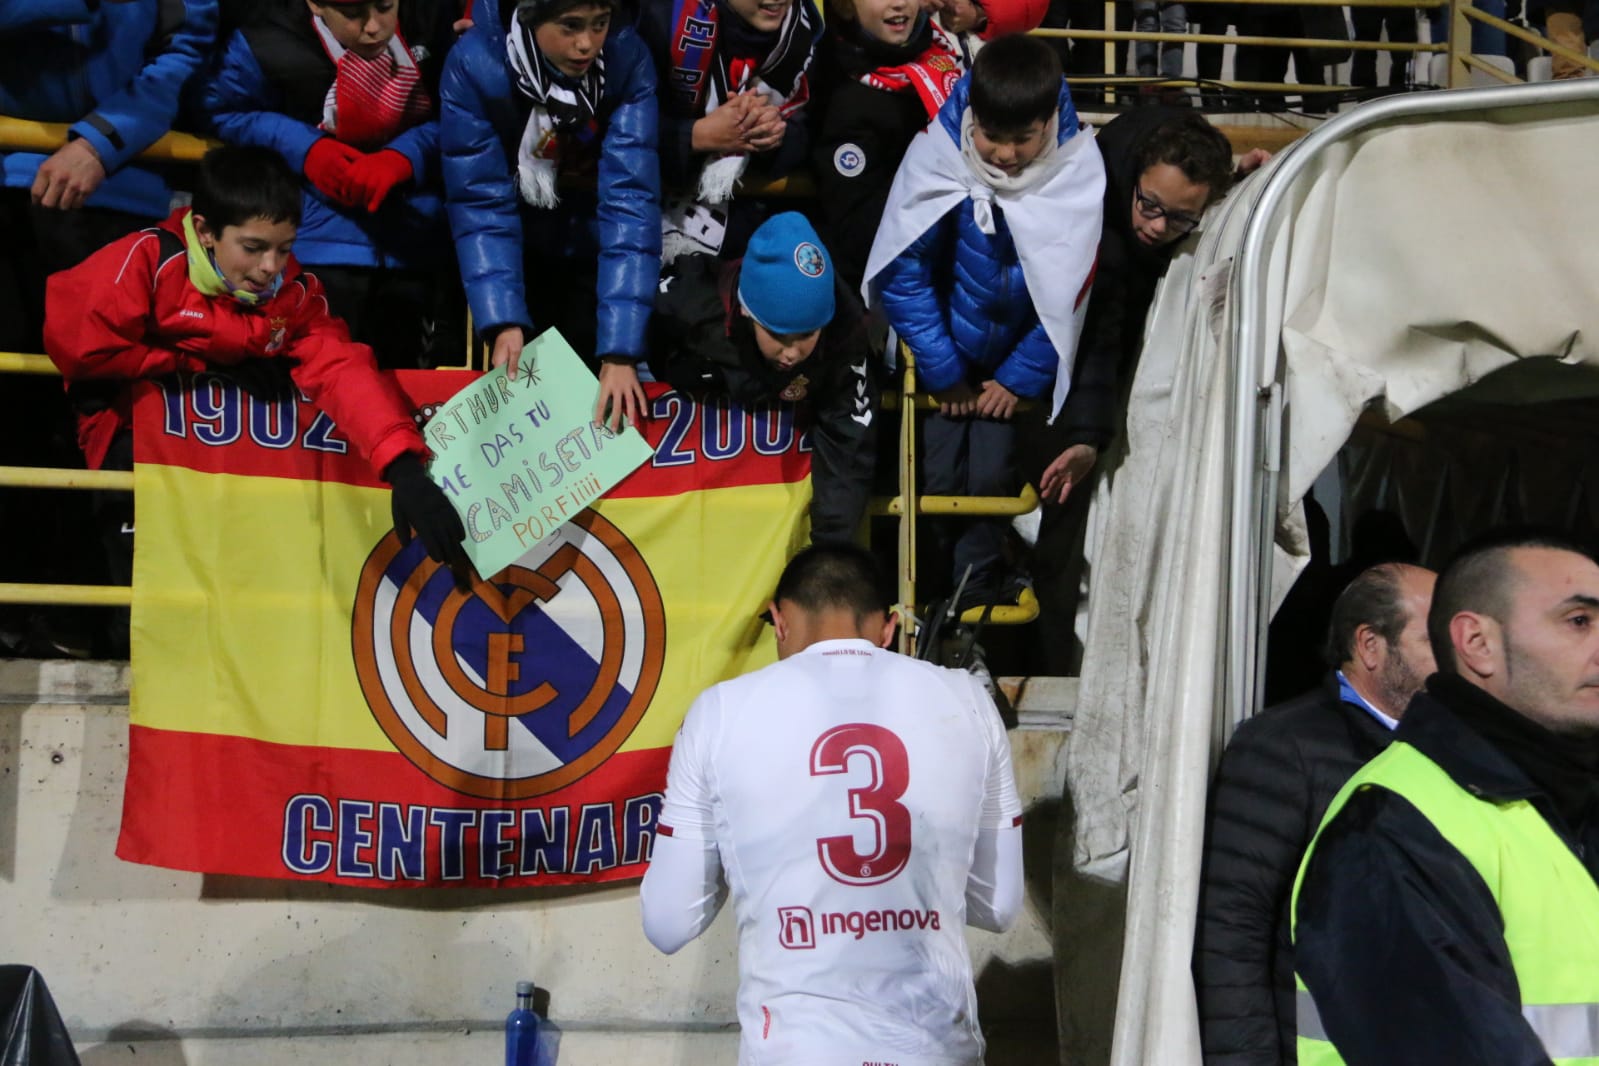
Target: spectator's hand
{"type": "Point", "coordinates": [1067, 471]}
{"type": "Point", "coordinates": [996, 402]}
{"type": "Point", "coordinates": [1251, 161]}
{"type": "Point", "coordinates": [420, 505]}
{"type": "Point", "coordinates": [765, 128]}
{"type": "Point", "coordinates": [327, 167]}
{"type": "Point", "coordinates": [69, 176]}
{"type": "Point", "coordinates": [373, 176]}
{"type": "Point", "coordinates": [267, 378]}
{"type": "Point", "coordinates": [460, 26]}
{"type": "Point", "coordinates": [507, 351]}
{"type": "Point", "coordinates": [621, 392]}
{"type": "Point", "coordinates": [961, 16]}
{"type": "Point", "coordinates": [723, 129]}
{"type": "Point", "coordinates": [957, 402]}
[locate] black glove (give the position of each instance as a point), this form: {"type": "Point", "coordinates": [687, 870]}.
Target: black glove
{"type": "Point", "coordinates": [264, 377]}
{"type": "Point", "coordinates": [420, 505]}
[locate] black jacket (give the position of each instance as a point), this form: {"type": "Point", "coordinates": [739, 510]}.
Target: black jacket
{"type": "Point", "coordinates": [862, 136]}
{"type": "Point", "coordinates": [1124, 286]}
{"type": "Point", "coordinates": [702, 344]}
{"type": "Point", "coordinates": [1399, 939]}
{"type": "Point", "coordinates": [1277, 776]}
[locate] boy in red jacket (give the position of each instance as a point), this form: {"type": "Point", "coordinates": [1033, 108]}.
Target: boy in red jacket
{"type": "Point", "coordinates": [214, 288]}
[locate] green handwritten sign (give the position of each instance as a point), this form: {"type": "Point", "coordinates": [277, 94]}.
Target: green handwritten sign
{"type": "Point", "coordinates": [520, 459]}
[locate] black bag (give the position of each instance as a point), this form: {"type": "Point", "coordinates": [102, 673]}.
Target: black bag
{"type": "Point", "coordinates": [1328, 24]}
{"type": "Point", "coordinates": [31, 1032]}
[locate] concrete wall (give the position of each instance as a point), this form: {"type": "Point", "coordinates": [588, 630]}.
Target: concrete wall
{"type": "Point", "coordinates": [174, 968]}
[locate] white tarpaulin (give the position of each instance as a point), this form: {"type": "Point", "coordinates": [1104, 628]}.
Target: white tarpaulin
{"type": "Point", "coordinates": [1402, 252]}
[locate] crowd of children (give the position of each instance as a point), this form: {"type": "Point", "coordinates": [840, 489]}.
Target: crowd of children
{"type": "Point", "coordinates": [575, 164]}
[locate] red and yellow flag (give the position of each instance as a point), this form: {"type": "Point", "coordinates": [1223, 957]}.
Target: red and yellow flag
{"type": "Point", "coordinates": [312, 700]}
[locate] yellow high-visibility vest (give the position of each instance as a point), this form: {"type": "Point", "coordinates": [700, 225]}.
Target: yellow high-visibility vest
{"type": "Point", "coordinates": [1546, 897]}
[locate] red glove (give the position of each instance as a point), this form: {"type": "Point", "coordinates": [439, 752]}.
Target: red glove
{"type": "Point", "coordinates": [372, 177]}
{"type": "Point", "coordinates": [328, 165]}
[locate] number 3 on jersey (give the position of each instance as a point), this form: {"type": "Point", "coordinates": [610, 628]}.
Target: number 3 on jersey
{"type": "Point", "coordinates": [876, 802]}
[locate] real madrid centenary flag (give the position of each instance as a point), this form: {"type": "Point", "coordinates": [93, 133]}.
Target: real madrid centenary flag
{"type": "Point", "coordinates": [313, 700]}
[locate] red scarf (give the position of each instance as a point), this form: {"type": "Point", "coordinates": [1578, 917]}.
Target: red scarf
{"type": "Point", "coordinates": [372, 101]}
{"type": "Point", "coordinates": [932, 75]}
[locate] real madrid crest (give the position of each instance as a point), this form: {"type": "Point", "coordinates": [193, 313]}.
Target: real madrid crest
{"type": "Point", "coordinates": [522, 685]}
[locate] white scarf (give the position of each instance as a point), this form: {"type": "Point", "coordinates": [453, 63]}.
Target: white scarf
{"type": "Point", "coordinates": [1054, 208]}
{"type": "Point", "coordinates": [555, 107]}
{"type": "Point", "coordinates": [992, 180]}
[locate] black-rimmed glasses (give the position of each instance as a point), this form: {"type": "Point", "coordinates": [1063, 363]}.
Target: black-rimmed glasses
{"type": "Point", "coordinates": [1150, 208]}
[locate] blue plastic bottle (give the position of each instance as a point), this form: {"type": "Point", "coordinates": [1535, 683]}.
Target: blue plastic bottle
{"type": "Point", "coordinates": [522, 1029]}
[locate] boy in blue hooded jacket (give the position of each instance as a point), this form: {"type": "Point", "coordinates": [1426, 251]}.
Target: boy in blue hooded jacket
{"type": "Point", "coordinates": [538, 91]}
{"type": "Point", "coordinates": [982, 266]}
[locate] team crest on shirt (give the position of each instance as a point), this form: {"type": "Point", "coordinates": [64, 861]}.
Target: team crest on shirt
{"type": "Point", "coordinates": [524, 684]}
{"type": "Point", "coordinates": [796, 390]}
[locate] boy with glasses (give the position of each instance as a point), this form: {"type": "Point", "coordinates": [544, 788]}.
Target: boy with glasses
{"type": "Point", "coordinates": [1163, 167]}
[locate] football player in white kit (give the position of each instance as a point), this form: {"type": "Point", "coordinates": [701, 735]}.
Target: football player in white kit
{"type": "Point", "coordinates": [860, 807]}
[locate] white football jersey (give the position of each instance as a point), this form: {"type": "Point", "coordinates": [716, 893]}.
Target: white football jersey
{"type": "Point", "coordinates": [844, 788]}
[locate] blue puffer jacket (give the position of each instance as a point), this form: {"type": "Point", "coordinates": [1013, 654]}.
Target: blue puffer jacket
{"type": "Point", "coordinates": [957, 295]}
{"type": "Point", "coordinates": [115, 71]}
{"type": "Point", "coordinates": [248, 101]}
{"type": "Point", "coordinates": [483, 118]}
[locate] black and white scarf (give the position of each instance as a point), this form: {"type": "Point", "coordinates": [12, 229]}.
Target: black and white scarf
{"type": "Point", "coordinates": [558, 108]}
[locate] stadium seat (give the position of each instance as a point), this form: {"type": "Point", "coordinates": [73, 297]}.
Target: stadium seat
{"type": "Point", "coordinates": [1438, 72]}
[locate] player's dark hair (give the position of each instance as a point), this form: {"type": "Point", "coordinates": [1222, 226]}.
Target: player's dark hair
{"type": "Point", "coordinates": [835, 576]}
{"type": "Point", "coordinates": [1015, 83]}
{"type": "Point", "coordinates": [1374, 598]}
{"type": "Point", "coordinates": [1190, 143]}
{"type": "Point", "coordinates": [1481, 579]}
{"type": "Point", "coordinates": [238, 183]}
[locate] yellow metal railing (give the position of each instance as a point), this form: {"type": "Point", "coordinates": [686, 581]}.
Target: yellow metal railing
{"type": "Point", "coordinates": [37, 477]}
{"type": "Point", "coordinates": [1461, 15]}
{"type": "Point", "coordinates": [909, 503]}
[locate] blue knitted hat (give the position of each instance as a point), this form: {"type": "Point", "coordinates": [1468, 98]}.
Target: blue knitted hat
{"type": "Point", "coordinates": [786, 283]}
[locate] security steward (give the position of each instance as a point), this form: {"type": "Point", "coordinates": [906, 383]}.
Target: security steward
{"type": "Point", "coordinates": [1448, 910]}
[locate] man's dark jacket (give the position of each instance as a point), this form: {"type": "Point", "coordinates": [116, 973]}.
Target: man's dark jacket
{"type": "Point", "coordinates": [702, 344]}
{"type": "Point", "coordinates": [1277, 776]}
{"type": "Point", "coordinates": [1400, 940]}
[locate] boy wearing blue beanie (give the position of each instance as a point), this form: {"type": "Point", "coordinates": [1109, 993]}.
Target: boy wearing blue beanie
{"type": "Point", "coordinates": [779, 324]}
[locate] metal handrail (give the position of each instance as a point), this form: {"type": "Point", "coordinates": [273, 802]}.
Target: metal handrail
{"type": "Point", "coordinates": [46, 477]}
{"type": "Point", "coordinates": [20, 363]}
{"type": "Point", "coordinates": [67, 595]}
{"type": "Point", "coordinates": [1222, 38]}
{"type": "Point", "coordinates": [26, 135]}
{"type": "Point", "coordinates": [910, 503]}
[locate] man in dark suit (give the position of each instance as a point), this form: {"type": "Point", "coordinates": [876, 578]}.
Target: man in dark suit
{"type": "Point", "coordinates": [1276, 778]}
